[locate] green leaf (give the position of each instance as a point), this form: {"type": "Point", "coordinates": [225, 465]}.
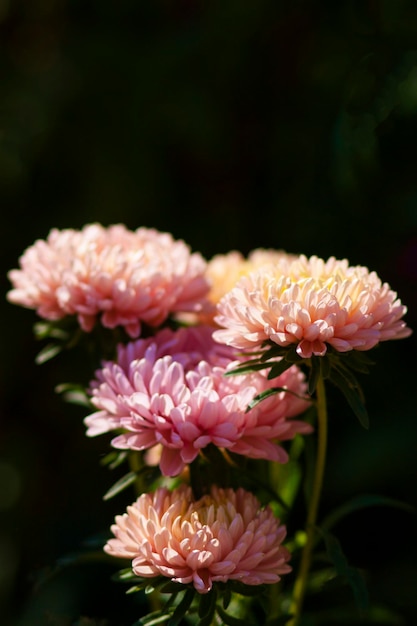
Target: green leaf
{"type": "Point", "coordinates": [42, 330]}
{"type": "Point", "coordinates": [247, 367]}
{"type": "Point", "coordinates": [352, 396]}
{"type": "Point", "coordinates": [120, 485]}
{"type": "Point", "coordinates": [47, 353]}
{"type": "Point", "coordinates": [271, 392]}
{"type": "Point", "coordinates": [361, 502]}
{"type": "Point", "coordinates": [152, 619]}
{"type": "Point", "coordinates": [182, 608]}
{"type": "Point", "coordinates": [342, 567]}
{"type": "Point", "coordinates": [73, 393]}
{"type": "Point", "coordinates": [124, 575]}
{"type": "Point", "coordinates": [246, 590]}
{"type": "Point", "coordinates": [227, 596]}
{"type": "Point", "coordinates": [135, 589]}
{"type": "Point", "coordinates": [358, 361]}
{"type": "Point", "coordinates": [229, 620]}
{"type": "Point", "coordinates": [114, 459]}
{"type": "Point", "coordinates": [279, 368]}
{"type": "Point", "coordinates": [207, 607]}
{"type": "Point", "coordinates": [171, 587]}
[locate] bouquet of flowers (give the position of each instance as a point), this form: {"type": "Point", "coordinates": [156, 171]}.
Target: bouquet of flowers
{"type": "Point", "coordinates": [211, 377]}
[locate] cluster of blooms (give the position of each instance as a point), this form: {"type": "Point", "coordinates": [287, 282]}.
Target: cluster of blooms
{"type": "Point", "coordinates": [170, 391]}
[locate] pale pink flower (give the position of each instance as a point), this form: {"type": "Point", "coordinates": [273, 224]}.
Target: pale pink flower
{"type": "Point", "coordinates": [222, 536]}
{"type": "Point", "coordinates": [122, 277]}
{"type": "Point", "coordinates": [313, 304]}
{"type": "Point", "coordinates": [171, 389]}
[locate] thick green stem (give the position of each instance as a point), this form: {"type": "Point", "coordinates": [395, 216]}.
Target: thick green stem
{"type": "Point", "coordinates": [301, 581]}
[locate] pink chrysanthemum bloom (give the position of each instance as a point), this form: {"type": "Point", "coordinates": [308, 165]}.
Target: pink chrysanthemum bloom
{"type": "Point", "coordinates": [121, 276]}
{"type": "Point", "coordinates": [171, 390]}
{"type": "Point", "coordinates": [313, 304]}
{"type": "Point", "coordinates": [222, 536]}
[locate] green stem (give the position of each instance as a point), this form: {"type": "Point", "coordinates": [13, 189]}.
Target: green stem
{"type": "Point", "coordinates": [301, 581]}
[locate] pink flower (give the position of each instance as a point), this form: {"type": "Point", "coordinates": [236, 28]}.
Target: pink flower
{"type": "Point", "coordinates": [223, 536]}
{"type": "Point", "coordinates": [313, 304]}
{"type": "Point", "coordinates": [171, 390]}
{"type": "Point", "coordinates": [121, 276]}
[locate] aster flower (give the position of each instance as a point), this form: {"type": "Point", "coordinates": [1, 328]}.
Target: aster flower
{"type": "Point", "coordinates": [224, 535]}
{"type": "Point", "coordinates": [225, 270]}
{"type": "Point", "coordinates": [172, 390]}
{"type": "Point", "coordinates": [311, 304]}
{"type": "Point", "coordinates": [124, 278]}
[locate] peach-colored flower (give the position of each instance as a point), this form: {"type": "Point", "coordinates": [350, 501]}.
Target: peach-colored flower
{"type": "Point", "coordinates": [121, 276]}
{"type": "Point", "coordinates": [313, 304]}
{"type": "Point", "coordinates": [225, 535]}
{"type": "Point", "coordinates": [225, 270]}
{"type": "Point", "coordinates": [171, 389]}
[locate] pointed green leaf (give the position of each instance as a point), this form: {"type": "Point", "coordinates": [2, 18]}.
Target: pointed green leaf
{"type": "Point", "coordinates": [352, 396]}
{"type": "Point", "coordinates": [114, 459]}
{"type": "Point", "coordinates": [272, 391]}
{"type": "Point", "coordinates": [120, 485]}
{"type": "Point", "coordinates": [227, 596]}
{"type": "Point", "coordinates": [342, 567]}
{"type": "Point", "coordinates": [182, 608]}
{"type": "Point", "coordinates": [279, 368]}
{"type": "Point", "coordinates": [229, 620]}
{"type": "Point", "coordinates": [170, 587]}
{"type": "Point", "coordinates": [246, 590]}
{"type": "Point", "coordinates": [152, 619]}
{"type": "Point", "coordinates": [207, 607]}
{"type": "Point", "coordinates": [47, 353]}
{"type": "Point", "coordinates": [124, 575]}
{"type": "Point", "coordinates": [361, 502]}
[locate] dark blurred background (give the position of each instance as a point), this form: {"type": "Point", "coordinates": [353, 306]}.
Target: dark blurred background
{"type": "Point", "coordinates": [233, 125]}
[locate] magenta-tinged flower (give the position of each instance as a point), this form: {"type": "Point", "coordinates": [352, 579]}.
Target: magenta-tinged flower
{"type": "Point", "coordinates": [122, 277]}
{"type": "Point", "coordinates": [313, 304]}
{"type": "Point", "coordinates": [222, 536]}
{"type": "Point", "coordinates": [172, 390]}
